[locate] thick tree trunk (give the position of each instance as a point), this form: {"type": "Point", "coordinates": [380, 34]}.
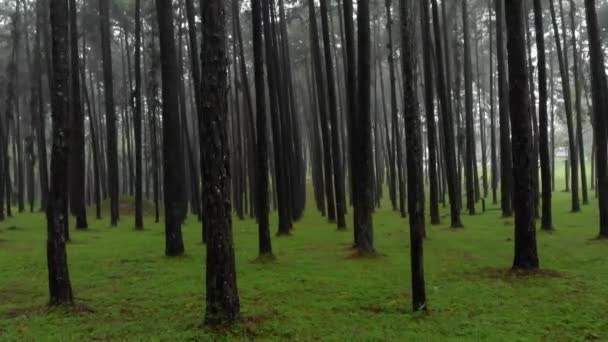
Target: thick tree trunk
{"type": "Point", "coordinates": [222, 294]}
{"type": "Point", "coordinates": [600, 106]}
{"type": "Point", "coordinates": [526, 256]}
{"type": "Point", "coordinates": [59, 278]}
{"type": "Point", "coordinates": [261, 190]}
{"type": "Point", "coordinates": [415, 173]}
{"type": "Point", "coordinates": [174, 244]}
{"type": "Point", "coordinates": [363, 141]}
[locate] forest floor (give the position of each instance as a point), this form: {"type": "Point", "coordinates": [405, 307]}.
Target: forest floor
{"type": "Point", "coordinates": [316, 289]}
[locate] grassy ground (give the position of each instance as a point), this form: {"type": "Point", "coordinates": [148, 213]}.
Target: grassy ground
{"type": "Point", "coordinates": [126, 289]}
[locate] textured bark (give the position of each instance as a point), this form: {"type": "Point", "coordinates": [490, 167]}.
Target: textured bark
{"type": "Point", "coordinates": [112, 148]}
{"type": "Point", "coordinates": [543, 146]}
{"type": "Point", "coordinates": [222, 294]}
{"type": "Point", "coordinates": [526, 256]}
{"type": "Point", "coordinates": [174, 244]}
{"type": "Point", "coordinates": [415, 173]}
{"type": "Point", "coordinates": [77, 153]}
{"type": "Point", "coordinates": [59, 278]}
{"type": "Point", "coordinates": [362, 149]}
{"type": "Point", "coordinates": [261, 191]}
{"type": "Point", "coordinates": [600, 106]}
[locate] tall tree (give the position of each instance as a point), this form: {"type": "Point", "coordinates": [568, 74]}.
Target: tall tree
{"type": "Point", "coordinates": [526, 256]}
{"type": "Point", "coordinates": [430, 112]}
{"type": "Point", "coordinates": [363, 144]}
{"type": "Point", "coordinates": [174, 244]}
{"type": "Point", "coordinates": [448, 126]}
{"type": "Point", "coordinates": [506, 160]}
{"type": "Point", "coordinates": [108, 82]}
{"type": "Point", "coordinates": [469, 124]}
{"type": "Point", "coordinates": [137, 114]}
{"type": "Point", "coordinates": [562, 58]}
{"type": "Point", "coordinates": [59, 278]}
{"type": "Point", "coordinates": [415, 173]}
{"type": "Point", "coordinates": [261, 191]}
{"type": "Point", "coordinates": [77, 158]}
{"type": "Point", "coordinates": [545, 167]}
{"type": "Point", "coordinates": [599, 90]}
{"type": "Point", "coordinates": [578, 103]}
{"type": "Point", "coordinates": [222, 294]}
{"type": "Point", "coordinates": [333, 114]}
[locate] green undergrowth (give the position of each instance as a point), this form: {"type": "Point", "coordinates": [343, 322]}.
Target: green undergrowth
{"type": "Point", "coordinates": [315, 287]}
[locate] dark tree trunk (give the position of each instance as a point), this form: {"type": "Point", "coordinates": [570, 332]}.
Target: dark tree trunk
{"type": "Point", "coordinates": [222, 294]}
{"type": "Point", "coordinates": [174, 244]}
{"type": "Point", "coordinates": [506, 158]}
{"type": "Point", "coordinates": [600, 106]}
{"type": "Point", "coordinates": [430, 111]}
{"type": "Point", "coordinates": [59, 278]}
{"type": "Point", "coordinates": [261, 191]}
{"type": "Point", "coordinates": [333, 112]}
{"type": "Point", "coordinates": [137, 114]}
{"type": "Point", "coordinates": [363, 154]}
{"type": "Point", "coordinates": [112, 148]}
{"type": "Point", "coordinates": [448, 126]}
{"type": "Point", "coordinates": [77, 159]}
{"type": "Point", "coordinates": [543, 146]}
{"type": "Point", "coordinates": [469, 124]}
{"type": "Point", "coordinates": [526, 256]}
{"type": "Point", "coordinates": [415, 174]}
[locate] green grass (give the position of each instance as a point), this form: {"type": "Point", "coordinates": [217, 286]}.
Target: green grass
{"type": "Point", "coordinates": [126, 289]}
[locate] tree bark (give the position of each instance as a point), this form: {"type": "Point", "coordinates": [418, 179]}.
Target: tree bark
{"type": "Point", "coordinates": [174, 245]}
{"type": "Point", "coordinates": [222, 294]}
{"type": "Point", "coordinates": [526, 256]}
{"type": "Point", "coordinates": [59, 278]}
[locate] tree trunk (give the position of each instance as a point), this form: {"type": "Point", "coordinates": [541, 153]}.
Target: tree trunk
{"type": "Point", "coordinates": [261, 191]}
{"type": "Point", "coordinates": [600, 106]}
{"type": "Point", "coordinates": [112, 148]}
{"type": "Point", "coordinates": [415, 174]}
{"type": "Point", "coordinates": [59, 278]}
{"type": "Point", "coordinates": [222, 294]}
{"type": "Point", "coordinates": [545, 167]}
{"type": "Point", "coordinates": [174, 244]}
{"type": "Point", "coordinates": [469, 124]}
{"type": "Point", "coordinates": [137, 110]}
{"type": "Point", "coordinates": [448, 126]}
{"type": "Point", "coordinates": [526, 256]}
